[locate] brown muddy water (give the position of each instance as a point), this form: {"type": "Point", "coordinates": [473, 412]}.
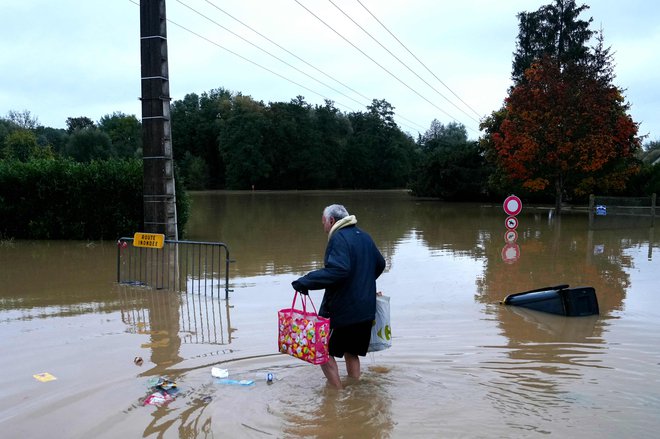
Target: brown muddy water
{"type": "Point", "coordinates": [461, 364]}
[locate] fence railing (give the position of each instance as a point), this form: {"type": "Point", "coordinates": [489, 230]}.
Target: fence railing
{"type": "Point", "coordinates": [618, 212]}
{"type": "Point", "coordinates": [185, 266]}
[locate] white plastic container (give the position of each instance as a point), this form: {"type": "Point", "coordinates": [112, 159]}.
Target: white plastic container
{"type": "Point", "coordinates": [219, 373]}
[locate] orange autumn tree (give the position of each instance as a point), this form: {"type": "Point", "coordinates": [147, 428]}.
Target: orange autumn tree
{"type": "Point", "coordinates": [564, 127]}
{"type": "Point", "coordinates": [568, 130]}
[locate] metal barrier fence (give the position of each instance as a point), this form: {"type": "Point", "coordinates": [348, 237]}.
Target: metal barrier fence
{"type": "Point", "coordinates": [184, 266]}
{"type": "Point", "coordinates": [621, 212]}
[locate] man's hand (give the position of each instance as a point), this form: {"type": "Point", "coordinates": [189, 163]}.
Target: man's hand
{"type": "Point", "coordinates": [299, 287]}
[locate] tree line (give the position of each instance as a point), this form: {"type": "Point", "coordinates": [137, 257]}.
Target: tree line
{"type": "Point", "coordinates": [230, 141]}
{"type": "Point", "coordinates": [115, 135]}
{"type": "Point", "coordinates": [82, 182]}
{"type": "Point", "coordinates": [563, 131]}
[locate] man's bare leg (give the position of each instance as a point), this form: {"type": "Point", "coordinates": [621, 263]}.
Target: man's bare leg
{"type": "Point", "coordinates": [352, 365]}
{"type": "Point", "coordinates": [331, 372]}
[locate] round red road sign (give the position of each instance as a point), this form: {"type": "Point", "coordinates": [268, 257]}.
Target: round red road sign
{"type": "Point", "coordinates": [510, 236]}
{"type": "Point", "coordinates": [511, 223]}
{"type": "Point", "coordinates": [512, 205]}
{"type": "Point", "coordinates": [510, 253]}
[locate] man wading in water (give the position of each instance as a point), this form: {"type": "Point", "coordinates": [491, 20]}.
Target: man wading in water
{"type": "Point", "coordinates": [352, 264]}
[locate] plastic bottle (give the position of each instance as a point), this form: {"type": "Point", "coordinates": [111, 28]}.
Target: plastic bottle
{"type": "Point", "coordinates": [269, 377]}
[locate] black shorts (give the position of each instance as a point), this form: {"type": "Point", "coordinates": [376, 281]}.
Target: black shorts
{"type": "Point", "coordinates": [353, 339]}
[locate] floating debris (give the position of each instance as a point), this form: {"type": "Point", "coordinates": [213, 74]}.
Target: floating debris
{"type": "Point", "coordinates": [219, 373]}
{"type": "Point", "coordinates": [44, 377]}
{"type": "Point", "coordinates": [163, 390]}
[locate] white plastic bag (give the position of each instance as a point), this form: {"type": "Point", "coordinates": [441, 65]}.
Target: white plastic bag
{"type": "Point", "coordinates": [381, 331]}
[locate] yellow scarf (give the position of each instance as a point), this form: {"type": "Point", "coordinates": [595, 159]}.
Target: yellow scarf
{"type": "Point", "coordinates": [346, 221]}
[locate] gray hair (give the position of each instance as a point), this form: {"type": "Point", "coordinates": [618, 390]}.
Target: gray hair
{"type": "Point", "coordinates": [336, 211]}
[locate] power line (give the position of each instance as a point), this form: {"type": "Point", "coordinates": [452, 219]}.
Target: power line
{"type": "Point", "coordinates": [401, 62]}
{"type": "Point", "coordinates": [248, 60]}
{"type": "Point", "coordinates": [378, 64]}
{"type": "Point", "coordinates": [287, 51]}
{"type": "Point", "coordinates": [300, 59]}
{"type": "Point", "coordinates": [267, 52]}
{"type": "Point", "coordinates": [270, 70]}
{"type": "Point", "coordinates": [418, 60]}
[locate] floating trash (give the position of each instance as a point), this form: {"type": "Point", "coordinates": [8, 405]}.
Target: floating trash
{"type": "Point", "coordinates": [161, 383]}
{"type": "Point", "coordinates": [235, 382]}
{"type": "Point", "coordinates": [44, 377]}
{"type": "Point", "coordinates": [219, 373]}
{"type": "Point", "coordinates": [163, 389]}
{"type": "Point", "coordinates": [269, 377]}
{"type": "Point", "coordinates": [158, 399]}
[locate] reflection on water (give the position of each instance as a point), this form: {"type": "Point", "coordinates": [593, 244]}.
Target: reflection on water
{"type": "Point", "coordinates": [362, 410]}
{"type": "Point", "coordinates": [544, 354]}
{"type": "Point", "coordinates": [200, 317]}
{"type": "Point", "coordinates": [461, 364]}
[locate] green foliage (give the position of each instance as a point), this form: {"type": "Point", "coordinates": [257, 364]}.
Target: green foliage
{"type": "Point", "coordinates": [78, 123]}
{"type": "Point", "coordinates": [646, 182]}
{"type": "Point", "coordinates": [90, 195]}
{"type": "Point", "coordinates": [62, 199]}
{"type": "Point", "coordinates": [22, 145]}
{"type": "Point", "coordinates": [288, 145]}
{"type": "Point", "coordinates": [19, 144]}
{"type": "Point", "coordinates": [451, 167]}
{"type": "Point", "coordinates": [386, 156]}
{"type": "Point", "coordinates": [242, 146]}
{"type": "Point", "coordinates": [23, 119]}
{"type": "Point", "coordinates": [650, 154]}
{"type": "Point", "coordinates": [125, 133]}
{"type": "Point", "coordinates": [553, 30]}
{"type": "Point", "coordinates": [652, 185]}
{"type": "Point", "coordinates": [6, 127]}
{"type": "Point", "coordinates": [195, 170]}
{"type": "Point", "coordinates": [56, 138]}
{"type": "Point", "coordinates": [183, 203]}
{"type": "Point", "coordinates": [196, 126]}
{"type": "Point", "coordinates": [303, 145]}
{"type": "Point", "coordinates": [87, 144]}
{"type": "Point", "coordinates": [439, 135]}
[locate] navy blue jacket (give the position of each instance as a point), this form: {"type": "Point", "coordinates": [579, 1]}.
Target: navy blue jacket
{"type": "Point", "coordinates": [352, 264]}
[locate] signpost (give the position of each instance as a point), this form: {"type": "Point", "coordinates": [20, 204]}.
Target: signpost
{"type": "Point", "coordinates": [511, 251]}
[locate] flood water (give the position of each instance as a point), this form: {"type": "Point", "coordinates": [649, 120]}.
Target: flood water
{"type": "Point", "coordinates": [461, 364]}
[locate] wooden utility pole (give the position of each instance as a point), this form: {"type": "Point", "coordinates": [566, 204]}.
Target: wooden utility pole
{"type": "Point", "coordinates": [158, 182]}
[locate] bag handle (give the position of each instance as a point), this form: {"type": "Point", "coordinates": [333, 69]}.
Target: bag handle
{"type": "Point", "coordinates": [303, 299]}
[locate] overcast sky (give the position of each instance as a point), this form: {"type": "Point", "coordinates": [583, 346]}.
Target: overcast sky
{"type": "Point", "coordinates": [66, 58]}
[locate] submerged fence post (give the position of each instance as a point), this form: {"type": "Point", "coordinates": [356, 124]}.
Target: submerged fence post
{"type": "Point", "coordinates": [201, 264]}
{"type": "Point", "coordinates": [592, 198]}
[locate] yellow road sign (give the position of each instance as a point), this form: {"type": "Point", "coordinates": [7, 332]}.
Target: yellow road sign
{"type": "Point", "coordinates": [151, 240]}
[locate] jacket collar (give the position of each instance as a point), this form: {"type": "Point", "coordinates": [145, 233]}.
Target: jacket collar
{"type": "Point", "coordinates": [344, 222]}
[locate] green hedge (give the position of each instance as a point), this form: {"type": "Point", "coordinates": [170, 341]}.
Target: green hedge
{"type": "Point", "coordinates": [63, 199]}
